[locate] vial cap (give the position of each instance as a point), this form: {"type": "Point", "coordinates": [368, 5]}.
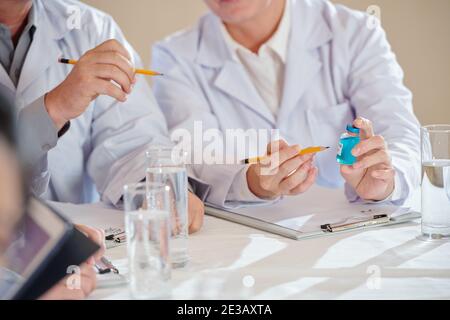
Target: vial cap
{"type": "Point", "coordinates": [352, 129]}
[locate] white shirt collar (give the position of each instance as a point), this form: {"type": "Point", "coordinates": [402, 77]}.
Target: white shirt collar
{"type": "Point", "coordinates": [278, 42]}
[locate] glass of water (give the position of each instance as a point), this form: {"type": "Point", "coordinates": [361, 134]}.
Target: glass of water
{"type": "Point", "coordinates": [435, 182]}
{"type": "Point", "coordinates": [167, 165]}
{"type": "Point", "coordinates": [147, 229]}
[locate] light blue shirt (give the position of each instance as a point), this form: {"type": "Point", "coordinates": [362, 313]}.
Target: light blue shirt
{"type": "Point", "coordinates": [12, 57]}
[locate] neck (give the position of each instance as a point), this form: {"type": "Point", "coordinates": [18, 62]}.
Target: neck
{"type": "Point", "coordinates": [253, 33]}
{"type": "Point", "coordinates": [14, 14]}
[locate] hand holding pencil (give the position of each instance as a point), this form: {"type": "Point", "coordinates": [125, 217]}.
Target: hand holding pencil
{"type": "Point", "coordinates": [285, 170]}
{"type": "Point", "coordinates": [104, 70]}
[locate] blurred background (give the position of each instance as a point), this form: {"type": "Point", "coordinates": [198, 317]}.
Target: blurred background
{"type": "Point", "coordinates": [418, 30]}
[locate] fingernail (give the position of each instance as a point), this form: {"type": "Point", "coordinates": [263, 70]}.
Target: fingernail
{"type": "Point", "coordinates": [355, 151]}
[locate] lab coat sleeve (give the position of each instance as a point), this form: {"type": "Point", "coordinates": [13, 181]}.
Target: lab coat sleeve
{"type": "Point", "coordinates": [376, 91]}
{"type": "Point", "coordinates": [186, 107]}
{"type": "Point", "coordinates": [37, 135]}
{"type": "Point", "coordinates": [121, 132]}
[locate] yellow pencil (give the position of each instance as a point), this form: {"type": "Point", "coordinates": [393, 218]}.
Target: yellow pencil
{"type": "Point", "coordinates": [139, 71]}
{"type": "Point", "coordinates": [301, 153]}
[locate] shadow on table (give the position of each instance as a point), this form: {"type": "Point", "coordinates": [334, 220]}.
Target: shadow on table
{"type": "Point", "coordinates": [274, 263]}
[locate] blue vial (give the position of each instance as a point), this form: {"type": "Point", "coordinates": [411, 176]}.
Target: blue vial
{"type": "Point", "coordinates": [347, 142]}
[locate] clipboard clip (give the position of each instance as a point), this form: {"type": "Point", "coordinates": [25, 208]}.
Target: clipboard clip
{"type": "Point", "coordinates": [105, 266]}
{"type": "Point", "coordinates": [375, 220]}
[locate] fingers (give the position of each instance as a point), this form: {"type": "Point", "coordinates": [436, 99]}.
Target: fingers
{"type": "Point", "coordinates": [365, 126]}
{"type": "Point", "coordinates": [372, 143]}
{"type": "Point", "coordinates": [275, 146]}
{"type": "Point", "coordinates": [350, 170]}
{"type": "Point", "coordinates": [113, 45]}
{"type": "Point", "coordinates": [111, 72]}
{"type": "Point", "coordinates": [295, 179]}
{"type": "Point", "coordinates": [106, 87]}
{"type": "Point", "coordinates": [384, 174]}
{"type": "Point", "coordinates": [379, 157]}
{"type": "Point", "coordinates": [196, 213]}
{"type": "Point", "coordinates": [307, 183]}
{"type": "Point", "coordinates": [88, 279]}
{"type": "Point", "coordinates": [287, 171]}
{"type": "Point", "coordinates": [65, 289]}
{"type": "Point", "coordinates": [288, 167]}
{"type": "Point", "coordinates": [96, 235]}
{"type": "Point", "coordinates": [277, 158]}
{"type": "Point", "coordinates": [196, 223]}
{"type": "Point", "coordinates": [113, 59]}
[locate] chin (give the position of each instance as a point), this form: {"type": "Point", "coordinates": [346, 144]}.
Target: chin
{"type": "Point", "coordinates": [234, 11]}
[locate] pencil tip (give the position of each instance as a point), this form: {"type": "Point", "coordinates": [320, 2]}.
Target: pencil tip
{"type": "Point", "coordinates": [327, 147]}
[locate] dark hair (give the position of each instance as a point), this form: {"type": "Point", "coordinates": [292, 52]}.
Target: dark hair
{"type": "Point", "coordinates": [7, 121]}
{"type": "Point", "coordinates": [8, 134]}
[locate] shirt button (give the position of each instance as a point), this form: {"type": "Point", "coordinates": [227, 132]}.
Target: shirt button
{"type": "Point", "coordinates": [46, 147]}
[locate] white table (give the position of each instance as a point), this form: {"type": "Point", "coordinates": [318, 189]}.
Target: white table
{"type": "Point", "coordinates": [230, 261]}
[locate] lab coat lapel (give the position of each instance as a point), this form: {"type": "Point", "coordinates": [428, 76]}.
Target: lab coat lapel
{"type": "Point", "coordinates": [308, 32]}
{"type": "Point", "coordinates": [43, 53]}
{"type": "Point", "coordinates": [5, 80]}
{"type": "Point", "coordinates": [231, 77]}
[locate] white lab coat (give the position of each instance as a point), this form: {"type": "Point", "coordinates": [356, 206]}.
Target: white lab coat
{"type": "Point", "coordinates": [104, 147]}
{"type": "Point", "coordinates": [338, 67]}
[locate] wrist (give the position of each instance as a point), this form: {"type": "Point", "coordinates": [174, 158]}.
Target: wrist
{"type": "Point", "coordinates": [255, 187]}
{"type": "Point", "coordinates": [383, 196]}
{"type": "Point", "coordinates": [53, 107]}
{"type": "Point", "coordinates": [389, 191]}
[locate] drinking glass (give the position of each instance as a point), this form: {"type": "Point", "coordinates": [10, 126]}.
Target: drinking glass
{"type": "Point", "coordinates": [435, 182]}
{"type": "Point", "coordinates": [167, 165]}
{"type": "Point", "coordinates": [147, 229]}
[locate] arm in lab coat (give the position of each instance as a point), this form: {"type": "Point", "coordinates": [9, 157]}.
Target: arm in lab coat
{"type": "Point", "coordinates": [121, 132]}
{"type": "Point", "coordinates": [376, 91]}
{"type": "Point", "coordinates": [37, 135]}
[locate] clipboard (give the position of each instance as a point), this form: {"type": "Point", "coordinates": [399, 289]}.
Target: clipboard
{"type": "Point", "coordinates": [308, 216]}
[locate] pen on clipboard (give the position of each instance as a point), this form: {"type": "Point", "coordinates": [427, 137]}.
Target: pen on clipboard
{"type": "Point", "coordinates": [301, 153]}
{"type": "Point", "coordinates": [138, 71]}
{"type": "Point", "coordinates": [112, 236]}
{"type": "Point", "coordinates": [105, 266]}
{"type": "Point", "coordinates": [375, 220]}
{"type": "Point", "coordinates": [120, 238]}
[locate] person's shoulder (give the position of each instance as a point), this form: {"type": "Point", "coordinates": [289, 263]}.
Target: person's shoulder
{"type": "Point", "coordinates": [343, 18]}
{"type": "Point", "coordinates": [184, 43]}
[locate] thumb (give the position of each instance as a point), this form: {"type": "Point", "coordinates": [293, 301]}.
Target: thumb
{"type": "Point", "coordinates": [365, 126]}
{"type": "Point", "coordinates": [276, 145]}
